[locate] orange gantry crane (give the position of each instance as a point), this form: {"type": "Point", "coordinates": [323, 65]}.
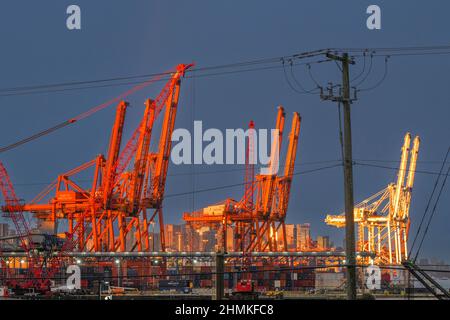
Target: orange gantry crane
{"type": "Point", "coordinates": [256, 219]}
{"type": "Point", "coordinates": [114, 214]}
{"type": "Point", "coordinates": [383, 219]}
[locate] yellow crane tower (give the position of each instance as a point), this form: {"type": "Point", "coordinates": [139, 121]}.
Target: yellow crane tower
{"type": "Point", "coordinates": [383, 219]}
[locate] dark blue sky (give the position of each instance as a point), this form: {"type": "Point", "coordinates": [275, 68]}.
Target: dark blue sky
{"type": "Point", "coordinates": [120, 38]}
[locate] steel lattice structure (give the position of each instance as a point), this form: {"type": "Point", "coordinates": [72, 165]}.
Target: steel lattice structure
{"type": "Point", "coordinates": [121, 203]}
{"type": "Point", "coordinates": [257, 218]}
{"type": "Point", "coordinates": [383, 219]}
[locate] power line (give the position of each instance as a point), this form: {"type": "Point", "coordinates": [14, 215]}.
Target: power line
{"type": "Point", "coordinates": [375, 51]}
{"type": "Point", "coordinates": [398, 161]}
{"type": "Point", "coordinates": [302, 89]}
{"type": "Point", "coordinates": [311, 75]}
{"type": "Point", "coordinates": [432, 212]}
{"type": "Point", "coordinates": [242, 184]}
{"type": "Point", "coordinates": [429, 202]}
{"type": "Point", "coordinates": [299, 84]}
{"type": "Point", "coordinates": [58, 87]}
{"type": "Point", "coordinates": [104, 105]}
{"type": "Point", "coordinates": [367, 73]}
{"type": "Point", "coordinates": [381, 80]}
{"type": "Point", "coordinates": [362, 70]}
{"type": "Point", "coordinates": [307, 163]}
{"type": "Point", "coordinates": [188, 173]}
{"type": "Point", "coordinates": [81, 116]}
{"type": "Point", "coordinates": [159, 77]}
{"type": "Point", "coordinates": [210, 74]}
{"type": "Point", "coordinates": [397, 168]}
{"type": "Point", "coordinates": [410, 49]}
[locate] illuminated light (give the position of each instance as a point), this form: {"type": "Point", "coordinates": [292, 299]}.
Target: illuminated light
{"type": "Point", "coordinates": [195, 261]}
{"type": "Point", "coordinates": [22, 261]}
{"type": "Point", "coordinates": [156, 261]}
{"type": "Point", "coordinates": [117, 261]}
{"type": "Point", "coordinates": [78, 261]}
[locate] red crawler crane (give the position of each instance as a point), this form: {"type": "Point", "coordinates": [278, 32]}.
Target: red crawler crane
{"type": "Point", "coordinates": [41, 267]}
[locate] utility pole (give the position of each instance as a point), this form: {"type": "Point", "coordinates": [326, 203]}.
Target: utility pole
{"type": "Point", "coordinates": [344, 98]}
{"type": "Point", "coordinates": [220, 268]}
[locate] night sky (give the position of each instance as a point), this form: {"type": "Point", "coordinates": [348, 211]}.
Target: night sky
{"type": "Point", "coordinates": [121, 38]}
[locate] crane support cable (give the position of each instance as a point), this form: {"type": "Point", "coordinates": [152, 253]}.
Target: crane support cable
{"type": "Point", "coordinates": [85, 114]}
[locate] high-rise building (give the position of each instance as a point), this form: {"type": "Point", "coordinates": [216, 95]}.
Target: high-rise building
{"type": "Point", "coordinates": [190, 238]}
{"type": "Point", "coordinates": [4, 230]}
{"type": "Point", "coordinates": [169, 236]}
{"type": "Point", "coordinates": [290, 237]}
{"type": "Point", "coordinates": [230, 239]}
{"type": "Point", "coordinates": [323, 242]}
{"type": "Point", "coordinates": [303, 236]}
{"type": "Point", "coordinates": [208, 241]}
{"type": "Point", "coordinates": [155, 242]}
{"type": "Point", "coordinates": [174, 237]}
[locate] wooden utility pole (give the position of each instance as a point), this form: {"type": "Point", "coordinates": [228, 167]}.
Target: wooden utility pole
{"type": "Point", "coordinates": [220, 269]}
{"type": "Point", "coordinates": [344, 98]}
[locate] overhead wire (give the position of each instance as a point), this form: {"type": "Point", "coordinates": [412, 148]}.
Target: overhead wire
{"type": "Point", "coordinates": [289, 82]}
{"type": "Point", "coordinates": [397, 168]}
{"type": "Point", "coordinates": [242, 184]}
{"type": "Point", "coordinates": [376, 85]}
{"type": "Point", "coordinates": [367, 73]}
{"type": "Point", "coordinates": [432, 212]}
{"type": "Point", "coordinates": [60, 86]}
{"type": "Point", "coordinates": [420, 50]}
{"type": "Point", "coordinates": [398, 161]}
{"type": "Point", "coordinates": [312, 77]}
{"type": "Point", "coordinates": [429, 202]}
{"type": "Point", "coordinates": [209, 172]}
{"type": "Point", "coordinates": [81, 116]}
{"type": "Point", "coordinates": [362, 70]}
{"type": "Point", "coordinates": [298, 82]}
{"type": "Point", "coordinates": [91, 111]}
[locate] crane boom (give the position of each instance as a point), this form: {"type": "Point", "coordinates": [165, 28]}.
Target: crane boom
{"type": "Point", "coordinates": [401, 173]}
{"type": "Point", "coordinates": [113, 151]}
{"type": "Point", "coordinates": [141, 155]}
{"type": "Point", "coordinates": [131, 146]}
{"type": "Point", "coordinates": [413, 163]}
{"type": "Point", "coordinates": [268, 180]}
{"type": "Point", "coordinates": [290, 163]}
